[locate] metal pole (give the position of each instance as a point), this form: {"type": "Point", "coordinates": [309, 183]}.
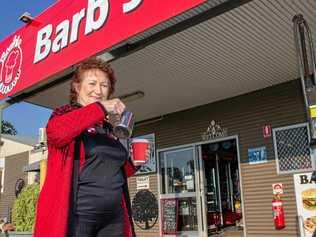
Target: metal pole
{"type": "Point", "coordinates": [307, 74]}
{"type": "Point", "coordinates": [308, 77]}
{"type": "Point", "coordinates": [43, 170]}
{"type": "Point", "coordinates": [311, 50]}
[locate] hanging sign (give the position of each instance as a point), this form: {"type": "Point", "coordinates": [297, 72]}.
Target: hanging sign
{"type": "Point", "coordinates": [305, 192]}
{"type": "Point", "coordinates": [71, 31]}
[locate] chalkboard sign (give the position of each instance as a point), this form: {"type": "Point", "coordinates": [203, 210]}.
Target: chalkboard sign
{"type": "Point", "coordinates": [169, 215]}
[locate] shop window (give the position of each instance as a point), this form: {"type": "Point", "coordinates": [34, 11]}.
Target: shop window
{"type": "Point", "coordinates": [178, 197]}
{"type": "Point", "coordinates": [291, 147]}
{"type": "Point", "coordinates": [177, 171]}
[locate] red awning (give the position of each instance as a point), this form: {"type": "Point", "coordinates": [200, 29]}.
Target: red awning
{"type": "Point", "coordinates": [70, 31]}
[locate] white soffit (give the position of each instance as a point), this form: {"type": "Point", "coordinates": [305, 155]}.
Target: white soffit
{"type": "Point", "coordinates": [246, 49]}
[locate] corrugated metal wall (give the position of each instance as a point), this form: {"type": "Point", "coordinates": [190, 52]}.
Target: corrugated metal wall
{"type": "Point", "coordinates": [257, 187]}
{"type": "Point", "coordinates": [243, 116]}
{"type": "Point", "coordinates": [13, 171]}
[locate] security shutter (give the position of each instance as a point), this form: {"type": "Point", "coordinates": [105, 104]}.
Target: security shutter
{"type": "Point", "coordinates": [291, 147]}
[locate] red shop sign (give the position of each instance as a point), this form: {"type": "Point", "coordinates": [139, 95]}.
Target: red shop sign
{"type": "Point", "coordinates": [70, 31]}
{"type": "Point", "coordinates": [267, 131]}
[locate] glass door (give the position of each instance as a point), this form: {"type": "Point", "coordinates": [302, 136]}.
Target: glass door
{"type": "Point", "coordinates": [220, 192]}
{"type": "Point", "coordinates": [179, 175]}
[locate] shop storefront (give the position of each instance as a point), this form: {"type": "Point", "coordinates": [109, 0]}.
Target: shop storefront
{"type": "Point", "coordinates": [219, 184]}
{"type": "Point", "coordinates": [203, 179]}
{"type": "Point", "coordinates": [212, 85]}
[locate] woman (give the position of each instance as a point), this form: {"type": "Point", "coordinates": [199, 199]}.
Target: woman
{"type": "Point", "coordinates": [85, 192]}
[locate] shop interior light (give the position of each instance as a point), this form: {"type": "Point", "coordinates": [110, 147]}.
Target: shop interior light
{"type": "Point", "coordinates": [132, 96]}
{"type": "Point", "coordinates": [26, 17]}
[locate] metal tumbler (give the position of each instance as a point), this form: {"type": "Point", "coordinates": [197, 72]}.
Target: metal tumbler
{"type": "Point", "coordinates": [124, 128]}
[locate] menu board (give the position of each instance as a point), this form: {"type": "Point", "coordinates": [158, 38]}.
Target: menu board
{"type": "Point", "coordinates": [305, 191]}
{"type": "Point", "coordinates": [169, 208]}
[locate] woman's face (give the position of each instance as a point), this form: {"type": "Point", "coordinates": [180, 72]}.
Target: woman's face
{"type": "Point", "coordinates": [94, 86]}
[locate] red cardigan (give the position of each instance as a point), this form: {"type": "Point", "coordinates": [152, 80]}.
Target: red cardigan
{"type": "Point", "coordinates": [65, 124]}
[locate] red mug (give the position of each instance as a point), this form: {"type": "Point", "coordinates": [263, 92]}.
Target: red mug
{"type": "Point", "coordinates": [139, 150]}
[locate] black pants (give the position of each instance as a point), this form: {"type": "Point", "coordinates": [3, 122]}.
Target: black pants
{"type": "Point", "coordinates": [109, 226]}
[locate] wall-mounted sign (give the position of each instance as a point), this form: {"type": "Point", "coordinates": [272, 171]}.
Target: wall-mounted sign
{"type": "Point", "coordinates": [267, 131]}
{"type": "Point", "coordinates": [305, 192]}
{"type": "Point", "coordinates": [142, 182]}
{"type": "Point", "coordinates": [169, 215]}
{"type": "Point", "coordinates": [277, 188]}
{"type": "Point", "coordinates": [145, 209]}
{"type": "Point", "coordinates": [257, 155]}
{"type": "Point", "coordinates": [150, 166]}
{"type": "Point", "coordinates": [214, 130]}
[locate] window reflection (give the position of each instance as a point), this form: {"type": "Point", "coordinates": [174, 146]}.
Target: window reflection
{"type": "Point", "coordinates": [187, 215]}
{"type": "Point", "coordinates": [177, 170]}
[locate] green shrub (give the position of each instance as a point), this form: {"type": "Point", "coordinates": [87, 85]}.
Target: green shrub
{"type": "Point", "coordinates": [24, 208]}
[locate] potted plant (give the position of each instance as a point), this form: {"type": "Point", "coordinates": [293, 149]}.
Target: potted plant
{"type": "Point", "coordinates": [24, 211]}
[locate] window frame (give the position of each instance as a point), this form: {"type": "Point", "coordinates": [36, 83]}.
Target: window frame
{"type": "Point", "coordinates": [164, 158]}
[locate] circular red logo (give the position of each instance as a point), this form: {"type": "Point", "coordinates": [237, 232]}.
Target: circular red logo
{"type": "Point", "coordinates": [10, 70]}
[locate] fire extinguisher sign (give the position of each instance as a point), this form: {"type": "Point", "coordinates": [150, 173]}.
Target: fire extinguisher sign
{"type": "Point", "coordinates": [305, 192]}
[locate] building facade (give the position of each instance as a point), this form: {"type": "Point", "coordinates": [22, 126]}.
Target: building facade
{"type": "Point", "coordinates": [15, 153]}
{"type": "Point", "coordinates": [179, 137]}
{"type": "Point", "coordinates": [212, 84]}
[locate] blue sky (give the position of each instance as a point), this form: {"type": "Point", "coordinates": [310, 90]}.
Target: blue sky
{"type": "Point", "coordinates": [25, 117]}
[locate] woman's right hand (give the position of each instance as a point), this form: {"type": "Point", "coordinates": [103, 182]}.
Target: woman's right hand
{"type": "Point", "coordinates": [113, 106]}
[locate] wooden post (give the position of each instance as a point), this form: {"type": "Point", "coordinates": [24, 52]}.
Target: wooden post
{"type": "Point", "coordinates": [43, 168]}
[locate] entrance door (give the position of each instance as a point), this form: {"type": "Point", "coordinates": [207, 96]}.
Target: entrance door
{"type": "Point", "coordinates": [179, 180]}
{"type": "Point", "coordinates": [220, 187]}
{"type": "Point", "coordinates": [202, 181]}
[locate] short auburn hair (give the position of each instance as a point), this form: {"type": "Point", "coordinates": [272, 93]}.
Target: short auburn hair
{"type": "Point", "coordinates": [90, 64]}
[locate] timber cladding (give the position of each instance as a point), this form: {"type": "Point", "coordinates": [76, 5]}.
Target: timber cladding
{"type": "Point", "coordinates": [153, 187]}
{"type": "Point", "coordinates": [245, 116]}
{"type": "Point", "coordinates": [13, 171]}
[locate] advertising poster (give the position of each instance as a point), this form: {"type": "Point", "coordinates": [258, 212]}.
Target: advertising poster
{"type": "Point", "coordinates": [305, 192]}
{"type": "Point", "coordinates": [150, 166]}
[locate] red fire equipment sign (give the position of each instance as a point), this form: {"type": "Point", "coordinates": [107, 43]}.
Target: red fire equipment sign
{"type": "Point", "coordinates": [277, 188]}
{"type": "Point", "coordinates": [267, 131]}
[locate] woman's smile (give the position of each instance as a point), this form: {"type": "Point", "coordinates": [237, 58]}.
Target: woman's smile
{"type": "Point", "coordinates": [95, 86]}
